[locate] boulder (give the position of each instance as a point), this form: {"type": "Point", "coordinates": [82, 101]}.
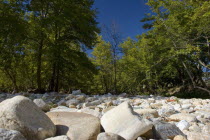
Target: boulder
{"type": "Point", "coordinates": [63, 109]}
{"type": "Point", "coordinates": [75, 92]}
{"type": "Point", "coordinates": [122, 95]}
{"type": "Point", "coordinates": [21, 114]}
{"type": "Point", "coordinates": [156, 105]}
{"type": "Point", "coordinates": [91, 112]}
{"type": "Point", "coordinates": [72, 106]}
{"type": "Point", "coordinates": [153, 112]}
{"type": "Point", "coordinates": [122, 120]}
{"type": "Point", "coordinates": [81, 98]}
{"type": "Point", "coordinates": [195, 128]}
{"type": "Point", "coordinates": [162, 130]}
{"type": "Point", "coordinates": [183, 125]}
{"type": "Point", "coordinates": [42, 105]}
{"type": "Point", "coordinates": [62, 102]}
{"type": "Point", "coordinates": [63, 137]}
{"type": "Point", "coordinates": [10, 135]}
{"type": "Point", "coordinates": [181, 116]}
{"type": "Point", "coordinates": [140, 138]}
{"type": "Point", "coordinates": [166, 111]}
{"type": "Point", "coordinates": [177, 107]}
{"type": "Point", "coordinates": [197, 136]}
{"type": "Point", "coordinates": [77, 126]}
{"type": "Point", "coordinates": [109, 136]}
{"type": "Point", "coordinates": [179, 137]}
{"type": "Point", "coordinates": [70, 96]}
{"type": "Point", "coordinates": [90, 99]}
{"type": "Point", "coordinates": [186, 106]}
{"type": "Point", "coordinates": [93, 103]}
{"type": "Point", "coordinates": [204, 113]}
{"type": "Point", "coordinates": [72, 102]}
{"type": "Point", "coordinates": [107, 109]}
{"type": "Point", "coordinates": [206, 129]}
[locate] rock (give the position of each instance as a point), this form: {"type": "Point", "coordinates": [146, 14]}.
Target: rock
{"type": "Point", "coordinates": [122, 120]}
{"type": "Point", "coordinates": [116, 102]}
{"type": "Point", "coordinates": [91, 112]}
{"type": "Point", "coordinates": [156, 105]}
{"type": "Point", "coordinates": [179, 137]}
{"type": "Point", "coordinates": [187, 111]}
{"type": "Point", "coordinates": [137, 101]}
{"type": "Point", "coordinates": [21, 114]}
{"type": "Point", "coordinates": [147, 111]}
{"type": "Point", "coordinates": [90, 99]}
{"type": "Point", "coordinates": [79, 106]}
{"type": "Point", "coordinates": [186, 106]}
{"type": "Point", "coordinates": [63, 137]}
{"type": "Point", "coordinates": [166, 111]}
{"type": "Point", "coordinates": [42, 105]}
{"type": "Point", "coordinates": [195, 128]}
{"type": "Point", "coordinates": [109, 136]}
{"type": "Point", "coordinates": [206, 129]}
{"type": "Point", "coordinates": [164, 130]}
{"type": "Point", "coordinates": [77, 92]}
{"type": "Point", "coordinates": [107, 109]}
{"type": "Point", "coordinates": [81, 98]}
{"type": "Point", "coordinates": [197, 136]}
{"type": "Point", "coordinates": [10, 135]}
{"type": "Point", "coordinates": [181, 116]}
{"type": "Point", "coordinates": [62, 103]}
{"type": "Point", "coordinates": [109, 103]}
{"type": "Point", "coordinates": [204, 113]}
{"type": "Point", "coordinates": [185, 101]}
{"type": "Point", "coordinates": [72, 106]}
{"type": "Point", "coordinates": [70, 96]}
{"type": "Point", "coordinates": [140, 138]}
{"type": "Point", "coordinates": [72, 102]}
{"type": "Point", "coordinates": [177, 107]}
{"type": "Point", "coordinates": [63, 109]}
{"type": "Point", "coordinates": [77, 126]}
{"type": "Point", "coordinates": [151, 100]}
{"type": "Point", "coordinates": [93, 103]}
{"type": "Point", "coordinates": [183, 125]}
{"type": "Point", "coordinates": [122, 95]}
{"type": "Point", "coordinates": [148, 135]}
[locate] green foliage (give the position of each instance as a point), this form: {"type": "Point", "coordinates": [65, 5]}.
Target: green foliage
{"type": "Point", "coordinates": [102, 59]}
{"type": "Point", "coordinates": [41, 44]}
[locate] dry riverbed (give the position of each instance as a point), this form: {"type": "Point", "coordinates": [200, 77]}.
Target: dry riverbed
{"type": "Point", "coordinates": [77, 116]}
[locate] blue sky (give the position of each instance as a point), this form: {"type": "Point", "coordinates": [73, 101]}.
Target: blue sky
{"type": "Point", "coordinates": [125, 13]}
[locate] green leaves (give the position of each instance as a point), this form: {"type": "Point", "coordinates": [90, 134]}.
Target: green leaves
{"type": "Point", "coordinates": [42, 41]}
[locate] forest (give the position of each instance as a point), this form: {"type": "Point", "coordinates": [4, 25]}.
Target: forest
{"type": "Point", "coordinates": [43, 47]}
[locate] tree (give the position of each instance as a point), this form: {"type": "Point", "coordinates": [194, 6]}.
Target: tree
{"type": "Point", "coordinates": [112, 35]}
{"type": "Point", "coordinates": [43, 37]}
{"type": "Point", "coordinates": [12, 38]}
{"type": "Point", "coordinates": [179, 20]}
{"type": "Point", "coordinates": [102, 58]}
{"type": "Point", "coordinates": [71, 22]}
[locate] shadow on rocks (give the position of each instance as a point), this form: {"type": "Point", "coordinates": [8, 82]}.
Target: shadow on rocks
{"type": "Point", "coordinates": [61, 130]}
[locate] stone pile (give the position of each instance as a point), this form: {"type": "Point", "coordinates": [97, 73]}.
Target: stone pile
{"type": "Point", "coordinates": [77, 116]}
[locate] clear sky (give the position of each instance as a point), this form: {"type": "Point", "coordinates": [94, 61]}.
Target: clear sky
{"type": "Point", "coordinates": [125, 13]}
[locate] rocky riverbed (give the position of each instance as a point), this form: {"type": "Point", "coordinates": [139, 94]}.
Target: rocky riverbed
{"type": "Point", "coordinates": [77, 116]}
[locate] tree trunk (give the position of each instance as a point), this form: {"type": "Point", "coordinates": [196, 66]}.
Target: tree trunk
{"type": "Point", "coordinates": [13, 79]}
{"type": "Point", "coordinates": [52, 80]}
{"type": "Point", "coordinates": [57, 80]}
{"type": "Point", "coordinates": [39, 65]}
{"type": "Point", "coordinates": [115, 76]}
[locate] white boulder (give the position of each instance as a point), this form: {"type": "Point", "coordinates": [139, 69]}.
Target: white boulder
{"type": "Point", "coordinates": [122, 120]}
{"type": "Point", "coordinates": [21, 114]}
